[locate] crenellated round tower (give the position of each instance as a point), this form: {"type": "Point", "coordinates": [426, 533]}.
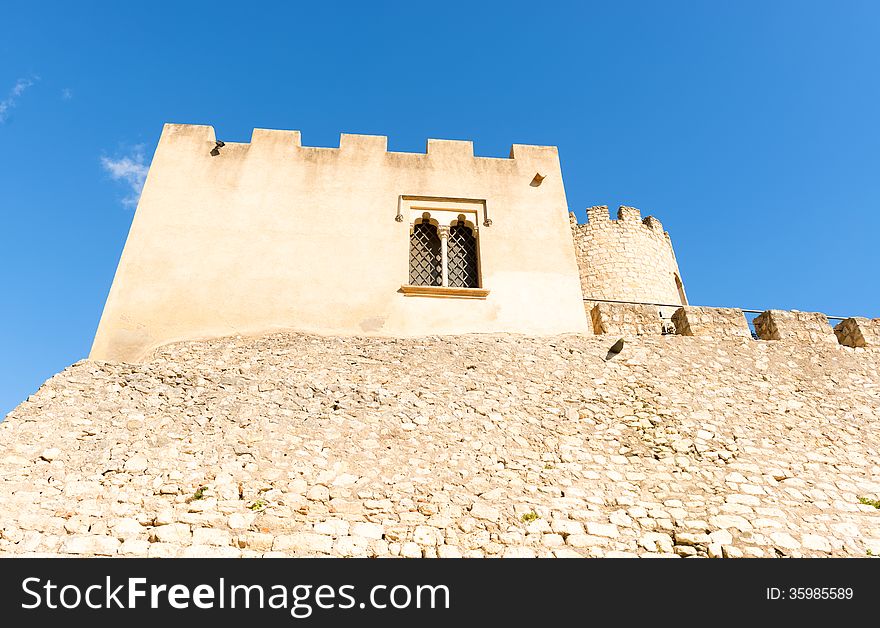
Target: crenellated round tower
{"type": "Point", "coordinates": [628, 259]}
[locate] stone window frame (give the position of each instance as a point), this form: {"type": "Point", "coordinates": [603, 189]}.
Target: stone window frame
{"type": "Point", "coordinates": [444, 213]}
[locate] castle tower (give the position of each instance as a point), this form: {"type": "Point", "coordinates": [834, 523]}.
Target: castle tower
{"type": "Point", "coordinates": [628, 259]}
{"type": "Point", "coordinates": [247, 238]}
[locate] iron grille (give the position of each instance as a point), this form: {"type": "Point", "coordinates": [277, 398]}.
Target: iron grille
{"type": "Point", "coordinates": [462, 256]}
{"type": "Point", "coordinates": [424, 256]}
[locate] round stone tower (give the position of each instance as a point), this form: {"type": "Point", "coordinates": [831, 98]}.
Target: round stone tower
{"type": "Point", "coordinates": [628, 259]}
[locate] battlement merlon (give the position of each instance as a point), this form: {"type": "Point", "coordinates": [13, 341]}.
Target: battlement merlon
{"type": "Point", "coordinates": [435, 149]}
{"type": "Point", "coordinates": [652, 223]}
{"type": "Point", "coordinates": [598, 215]}
{"type": "Point", "coordinates": [629, 214]}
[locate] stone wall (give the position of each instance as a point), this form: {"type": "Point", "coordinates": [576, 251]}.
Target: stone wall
{"type": "Point", "coordinates": [711, 322]}
{"type": "Point", "coordinates": [474, 445]}
{"type": "Point", "coordinates": [628, 259]}
{"type": "Point", "coordinates": [858, 332]}
{"type": "Point", "coordinates": [805, 327]}
{"type": "Point", "coordinates": [624, 319]}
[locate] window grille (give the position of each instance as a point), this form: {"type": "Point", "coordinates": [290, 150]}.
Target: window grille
{"type": "Point", "coordinates": [462, 257]}
{"type": "Point", "coordinates": [424, 256]}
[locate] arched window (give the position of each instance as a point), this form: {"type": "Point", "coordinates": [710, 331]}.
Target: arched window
{"type": "Point", "coordinates": [425, 266]}
{"type": "Point", "coordinates": [462, 257]}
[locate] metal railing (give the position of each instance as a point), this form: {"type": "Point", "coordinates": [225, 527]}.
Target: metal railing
{"type": "Point", "coordinates": [669, 326]}
{"type": "Point", "coordinates": [677, 305]}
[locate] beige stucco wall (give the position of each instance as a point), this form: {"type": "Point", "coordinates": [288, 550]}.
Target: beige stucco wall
{"type": "Point", "coordinates": [628, 259]}
{"type": "Point", "coordinates": [274, 235]}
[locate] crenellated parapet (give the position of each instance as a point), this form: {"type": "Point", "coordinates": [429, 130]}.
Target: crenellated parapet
{"type": "Point", "coordinates": [289, 144]}
{"type": "Point", "coordinates": [792, 327]}
{"type": "Point", "coordinates": [598, 217]}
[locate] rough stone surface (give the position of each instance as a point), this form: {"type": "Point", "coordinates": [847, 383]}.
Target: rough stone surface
{"type": "Point", "coordinates": [858, 332]}
{"type": "Point", "coordinates": [804, 327]}
{"type": "Point", "coordinates": [628, 259]}
{"type": "Point", "coordinates": [477, 445]}
{"type": "Point", "coordinates": [624, 319]}
{"type": "Point", "coordinates": [711, 322]}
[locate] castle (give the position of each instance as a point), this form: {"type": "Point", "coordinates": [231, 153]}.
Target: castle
{"type": "Point", "coordinates": [233, 238]}
{"type": "Point", "coordinates": [281, 369]}
{"type": "Point", "coordinates": [245, 239]}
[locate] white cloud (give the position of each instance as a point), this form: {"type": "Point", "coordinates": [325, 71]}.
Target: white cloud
{"type": "Point", "coordinates": [66, 93]}
{"type": "Point", "coordinates": [21, 85]}
{"type": "Point", "coordinates": [131, 170]}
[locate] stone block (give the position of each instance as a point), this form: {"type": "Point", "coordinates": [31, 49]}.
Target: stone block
{"type": "Point", "coordinates": [711, 322]}
{"type": "Point", "coordinates": [629, 213]}
{"type": "Point", "coordinates": [806, 327]}
{"type": "Point", "coordinates": [598, 213]}
{"type": "Point", "coordinates": [858, 332]}
{"type": "Point", "coordinates": [625, 319]}
{"type": "Point", "coordinates": [303, 542]}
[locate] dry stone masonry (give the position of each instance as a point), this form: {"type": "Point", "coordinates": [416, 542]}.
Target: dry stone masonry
{"type": "Point", "coordinates": [805, 327]}
{"type": "Point", "coordinates": [859, 332]}
{"type": "Point", "coordinates": [628, 259]}
{"type": "Point", "coordinates": [475, 445]}
{"type": "Point", "coordinates": [624, 318]}
{"type": "Point", "coordinates": [711, 322]}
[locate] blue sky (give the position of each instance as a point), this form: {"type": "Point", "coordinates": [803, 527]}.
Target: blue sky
{"type": "Point", "coordinates": [751, 129]}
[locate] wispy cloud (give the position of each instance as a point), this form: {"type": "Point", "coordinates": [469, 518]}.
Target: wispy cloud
{"type": "Point", "coordinates": [66, 93]}
{"type": "Point", "coordinates": [11, 100]}
{"type": "Point", "coordinates": [130, 169]}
